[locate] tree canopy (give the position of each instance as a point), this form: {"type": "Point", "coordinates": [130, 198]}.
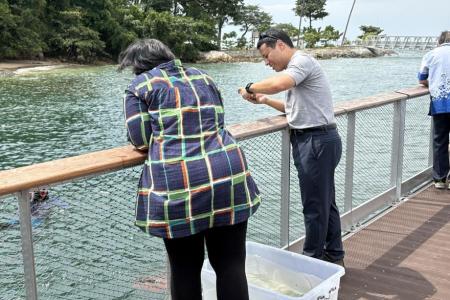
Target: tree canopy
{"type": "Point", "coordinates": [251, 17]}
{"type": "Point", "coordinates": [312, 36]}
{"type": "Point", "coordinates": [369, 31]}
{"type": "Point", "coordinates": [84, 31]}
{"type": "Point", "coordinates": [311, 9]}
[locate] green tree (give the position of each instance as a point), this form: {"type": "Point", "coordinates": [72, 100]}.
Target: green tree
{"type": "Point", "coordinates": [311, 9]}
{"type": "Point", "coordinates": [125, 25]}
{"type": "Point", "coordinates": [87, 30]}
{"type": "Point", "coordinates": [196, 34]}
{"type": "Point", "coordinates": [330, 34]}
{"type": "Point", "coordinates": [79, 41]}
{"type": "Point", "coordinates": [7, 24]}
{"type": "Point", "coordinates": [312, 36]}
{"type": "Point", "coordinates": [20, 29]}
{"type": "Point", "coordinates": [251, 17]}
{"type": "Point", "coordinates": [76, 28]}
{"type": "Point", "coordinates": [369, 31]}
{"type": "Point", "coordinates": [221, 12]}
{"type": "Point", "coordinates": [290, 29]}
{"type": "Point", "coordinates": [156, 5]}
{"type": "Point", "coordinates": [229, 39]}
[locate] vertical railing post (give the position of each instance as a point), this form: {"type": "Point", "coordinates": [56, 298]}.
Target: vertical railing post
{"type": "Point", "coordinates": [168, 278]}
{"type": "Point", "coordinates": [398, 142]}
{"type": "Point", "coordinates": [427, 40]}
{"type": "Point", "coordinates": [285, 187]}
{"type": "Point", "coordinates": [27, 244]}
{"type": "Point", "coordinates": [430, 149]}
{"type": "Point", "coordinates": [349, 162]}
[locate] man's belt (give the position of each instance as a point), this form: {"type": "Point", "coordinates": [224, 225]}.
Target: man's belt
{"type": "Point", "coordinates": [313, 129]}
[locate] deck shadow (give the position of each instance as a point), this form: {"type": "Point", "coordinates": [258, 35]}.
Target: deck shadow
{"type": "Point", "coordinates": [401, 255]}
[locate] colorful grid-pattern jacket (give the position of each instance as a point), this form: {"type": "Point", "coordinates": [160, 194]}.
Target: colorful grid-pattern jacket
{"type": "Point", "coordinates": [196, 175]}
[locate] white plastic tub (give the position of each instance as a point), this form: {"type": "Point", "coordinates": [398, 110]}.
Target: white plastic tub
{"type": "Point", "coordinates": [296, 276]}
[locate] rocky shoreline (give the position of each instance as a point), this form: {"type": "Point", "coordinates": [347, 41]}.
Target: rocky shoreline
{"type": "Point", "coordinates": [319, 53]}
{"type": "Point", "coordinates": [12, 68]}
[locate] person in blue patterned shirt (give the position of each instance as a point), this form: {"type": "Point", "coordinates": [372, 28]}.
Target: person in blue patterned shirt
{"type": "Point", "coordinates": [195, 187]}
{"type": "Point", "coordinates": [435, 74]}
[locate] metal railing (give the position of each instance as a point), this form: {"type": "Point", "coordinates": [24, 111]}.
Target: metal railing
{"type": "Point", "coordinates": [88, 248]}
{"type": "Point", "coordinates": [400, 42]}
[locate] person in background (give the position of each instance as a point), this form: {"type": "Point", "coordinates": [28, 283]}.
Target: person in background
{"type": "Point", "coordinates": [37, 199]}
{"type": "Point", "coordinates": [435, 74]}
{"type": "Point", "coordinates": [39, 196]}
{"type": "Point", "coordinates": [195, 187]}
{"type": "Point", "coordinates": [316, 144]}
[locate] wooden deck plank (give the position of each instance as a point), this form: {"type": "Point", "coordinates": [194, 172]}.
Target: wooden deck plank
{"type": "Point", "coordinates": [402, 255]}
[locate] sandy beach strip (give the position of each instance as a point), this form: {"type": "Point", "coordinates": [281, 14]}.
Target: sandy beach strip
{"type": "Point", "coordinates": [26, 66]}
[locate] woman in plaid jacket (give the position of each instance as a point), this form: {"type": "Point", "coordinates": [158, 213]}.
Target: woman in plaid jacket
{"type": "Point", "coordinates": [195, 187]}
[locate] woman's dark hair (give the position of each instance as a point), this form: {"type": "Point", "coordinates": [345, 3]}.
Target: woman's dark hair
{"type": "Point", "coordinates": [144, 55]}
{"type": "Point", "coordinates": [444, 38]}
{"type": "Point", "coordinates": [271, 36]}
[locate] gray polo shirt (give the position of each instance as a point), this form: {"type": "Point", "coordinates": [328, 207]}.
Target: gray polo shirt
{"type": "Point", "coordinates": [309, 102]}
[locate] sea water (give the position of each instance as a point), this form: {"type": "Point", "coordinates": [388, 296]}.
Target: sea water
{"type": "Point", "coordinates": [66, 112]}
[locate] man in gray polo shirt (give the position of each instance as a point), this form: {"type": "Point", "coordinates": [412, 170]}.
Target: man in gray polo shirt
{"type": "Point", "coordinates": [316, 144]}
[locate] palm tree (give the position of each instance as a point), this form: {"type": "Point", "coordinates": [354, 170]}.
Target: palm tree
{"type": "Point", "coordinates": [346, 26]}
{"type": "Point", "coordinates": [300, 25]}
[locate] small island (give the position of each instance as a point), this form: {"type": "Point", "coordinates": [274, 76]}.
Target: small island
{"type": "Point", "coordinates": [252, 55]}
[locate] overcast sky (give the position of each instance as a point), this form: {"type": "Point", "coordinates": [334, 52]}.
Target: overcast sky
{"type": "Point", "coordinates": [396, 17]}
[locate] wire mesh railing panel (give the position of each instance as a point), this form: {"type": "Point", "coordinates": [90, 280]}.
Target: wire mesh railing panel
{"type": "Point", "coordinates": [373, 148]}
{"type": "Point", "coordinates": [11, 263]}
{"type": "Point", "coordinates": [88, 248]}
{"type": "Point", "coordinates": [263, 155]}
{"type": "Point", "coordinates": [296, 223]}
{"type": "Point", "coordinates": [339, 175]}
{"type": "Point", "coordinates": [417, 136]}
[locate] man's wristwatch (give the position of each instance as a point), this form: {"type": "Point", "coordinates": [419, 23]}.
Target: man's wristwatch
{"type": "Point", "coordinates": [247, 87]}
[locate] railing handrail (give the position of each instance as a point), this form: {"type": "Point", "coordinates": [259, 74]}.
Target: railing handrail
{"type": "Point", "coordinates": [61, 170]}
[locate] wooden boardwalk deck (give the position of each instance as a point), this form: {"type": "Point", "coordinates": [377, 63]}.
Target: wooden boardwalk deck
{"type": "Point", "coordinates": [404, 255]}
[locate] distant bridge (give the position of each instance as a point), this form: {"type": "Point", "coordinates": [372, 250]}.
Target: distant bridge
{"type": "Point", "coordinates": [401, 42]}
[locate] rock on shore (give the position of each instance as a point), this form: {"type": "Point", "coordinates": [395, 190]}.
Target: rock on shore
{"type": "Point", "coordinates": [349, 52]}
{"type": "Point", "coordinates": [215, 57]}
{"type": "Point", "coordinates": [319, 53]}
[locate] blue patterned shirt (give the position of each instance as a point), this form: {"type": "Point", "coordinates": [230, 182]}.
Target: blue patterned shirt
{"type": "Point", "coordinates": [436, 69]}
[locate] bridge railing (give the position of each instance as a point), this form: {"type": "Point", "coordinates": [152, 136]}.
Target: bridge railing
{"type": "Point", "coordinates": [400, 42]}
{"type": "Point", "coordinates": [82, 245]}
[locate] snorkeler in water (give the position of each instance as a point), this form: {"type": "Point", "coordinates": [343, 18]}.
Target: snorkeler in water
{"type": "Point", "coordinates": [40, 205]}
